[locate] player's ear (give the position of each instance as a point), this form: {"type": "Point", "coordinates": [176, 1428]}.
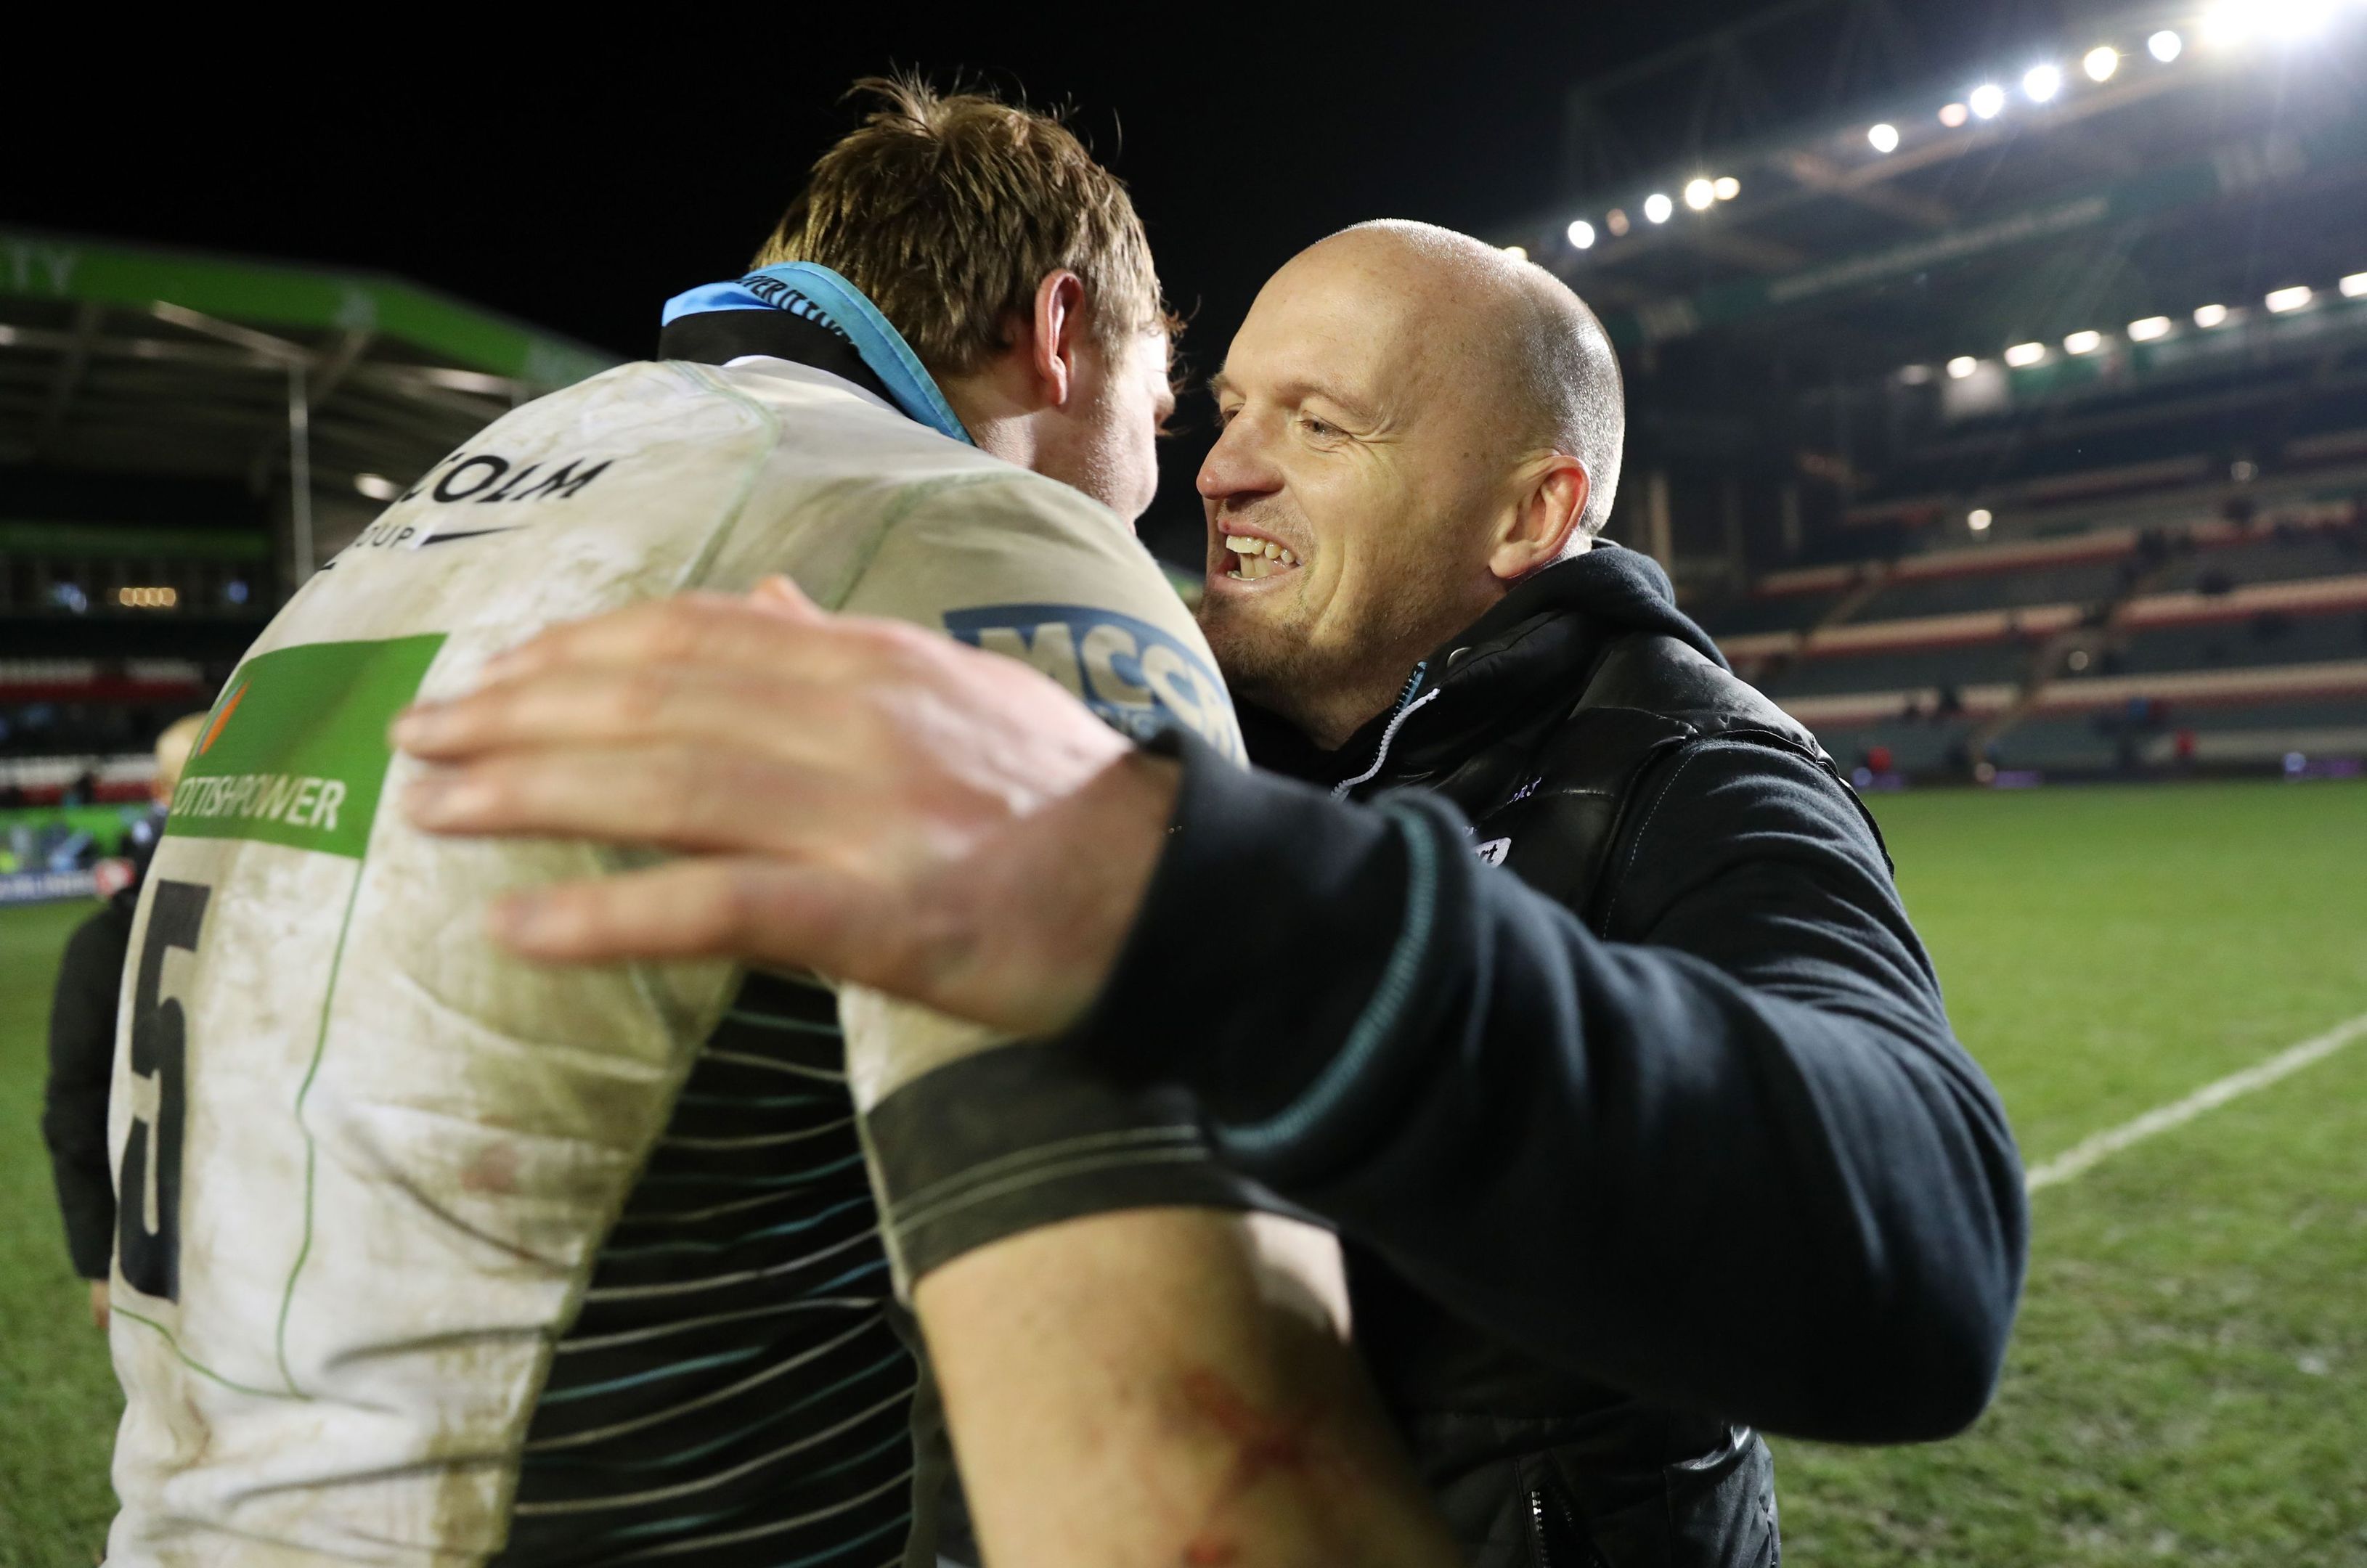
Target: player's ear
{"type": "Point", "coordinates": [1058, 334]}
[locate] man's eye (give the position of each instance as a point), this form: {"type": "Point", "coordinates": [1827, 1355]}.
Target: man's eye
{"type": "Point", "coordinates": [1322, 430]}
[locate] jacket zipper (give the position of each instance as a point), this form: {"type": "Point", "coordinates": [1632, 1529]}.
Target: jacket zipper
{"type": "Point", "coordinates": [1537, 1528]}
{"type": "Point", "coordinates": [1406, 704]}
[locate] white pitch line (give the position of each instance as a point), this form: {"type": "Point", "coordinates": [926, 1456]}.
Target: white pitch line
{"type": "Point", "coordinates": [2091, 1151]}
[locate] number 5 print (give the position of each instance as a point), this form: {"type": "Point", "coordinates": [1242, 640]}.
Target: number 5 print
{"type": "Point", "coordinates": [148, 1182]}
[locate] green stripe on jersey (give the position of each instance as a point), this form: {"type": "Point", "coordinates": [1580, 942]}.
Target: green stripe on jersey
{"type": "Point", "coordinates": [295, 752]}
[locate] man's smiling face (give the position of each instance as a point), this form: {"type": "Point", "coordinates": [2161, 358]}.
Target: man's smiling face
{"type": "Point", "coordinates": [1351, 493]}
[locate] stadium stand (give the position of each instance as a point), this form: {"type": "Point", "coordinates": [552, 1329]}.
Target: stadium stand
{"type": "Point", "coordinates": [183, 439]}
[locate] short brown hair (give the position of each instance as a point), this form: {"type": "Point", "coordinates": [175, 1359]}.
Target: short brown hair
{"type": "Point", "coordinates": [949, 208]}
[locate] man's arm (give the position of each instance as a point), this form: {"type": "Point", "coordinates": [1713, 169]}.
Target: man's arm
{"type": "Point", "coordinates": [1134, 1369]}
{"type": "Point", "coordinates": [1739, 1164]}
{"type": "Point", "coordinates": [1796, 1151]}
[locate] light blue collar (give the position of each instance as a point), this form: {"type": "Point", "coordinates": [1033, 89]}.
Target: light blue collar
{"type": "Point", "coordinates": [814, 293]}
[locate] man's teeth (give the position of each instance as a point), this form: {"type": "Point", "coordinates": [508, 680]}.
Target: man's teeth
{"type": "Point", "coordinates": [1257, 557]}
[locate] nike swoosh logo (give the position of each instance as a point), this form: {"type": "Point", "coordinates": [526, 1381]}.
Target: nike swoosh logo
{"type": "Point", "coordinates": [466, 534]}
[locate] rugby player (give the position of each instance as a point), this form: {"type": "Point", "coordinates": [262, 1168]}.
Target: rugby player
{"type": "Point", "coordinates": [430, 1255]}
{"type": "Point", "coordinates": [1577, 992]}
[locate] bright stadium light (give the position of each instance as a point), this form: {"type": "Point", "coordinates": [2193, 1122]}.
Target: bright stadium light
{"type": "Point", "coordinates": [1885, 138]}
{"type": "Point", "coordinates": [1518, 253]}
{"type": "Point", "coordinates": [1961, 366]}
{"type": "Point", "coordinates": [2285, 300]}
{"type": "Point", "coordinates": [2165, 45]}
{"type": "Point", "coordinates": [2101, 62]}
{"type": "Point", "coordinates": [2209, 316]}
{"type": "Point", "coordinates": [2294, 19]}
{"type": "Point", "coordinates": [1988, 100]}
{"type": "Point", "coordinates": [2227, 23]}
{"type": "Point", "coordinates": [1658, 206]}
{"type": "Point", "coordinates": [1979, 519]}
{"type": "Point", "coordinates": [1954, 115]}
{"type": "Point", "coordinates": [2151, 328]}
{"type": "Point", "coordinates": [2041, 82]}
{"type": "Point", "coordinates": [1581, 234]}
{"type": "Point", "coordinates": [378, 487]}
{"type": "Point", "coordinates": [1700, 194]}
{"type": "Point", "coordinates": [2355, 286]}
{"type": "Point", "coordinates": [2083, 343]}
{"type": "Point", "coordinates": [2023, 355]}
{"type": "Point", "coordinates": [1728, 187]}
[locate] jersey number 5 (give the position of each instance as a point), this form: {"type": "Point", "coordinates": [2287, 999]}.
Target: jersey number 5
{"type": "Point", "coordinates": [148, 1181]}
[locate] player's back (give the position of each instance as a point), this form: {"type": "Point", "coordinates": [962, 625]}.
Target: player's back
{"type": "Point", "coordinates": [368, 1163]}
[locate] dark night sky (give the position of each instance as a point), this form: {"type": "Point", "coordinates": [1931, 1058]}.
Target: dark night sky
{"type": "Point", "coordinates": [577, 185]}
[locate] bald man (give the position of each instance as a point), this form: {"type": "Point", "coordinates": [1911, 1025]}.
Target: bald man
{"type": "Point", "coordinates": [1545, 959]}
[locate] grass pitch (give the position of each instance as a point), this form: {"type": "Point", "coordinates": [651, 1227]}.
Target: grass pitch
{"type": "Point", "coordinates": [2188, 1382]}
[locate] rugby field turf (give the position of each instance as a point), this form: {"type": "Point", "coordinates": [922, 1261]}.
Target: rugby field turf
{"type": "Point", "coordinates": [2188, 1384]}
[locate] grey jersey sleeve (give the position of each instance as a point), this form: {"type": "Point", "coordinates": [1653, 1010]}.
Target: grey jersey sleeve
{"type": "Point", "coordinates": [973, 1137]}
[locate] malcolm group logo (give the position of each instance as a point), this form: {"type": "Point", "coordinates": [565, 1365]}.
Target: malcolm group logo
{"type": "Point", "coordinates": [1135, 677]}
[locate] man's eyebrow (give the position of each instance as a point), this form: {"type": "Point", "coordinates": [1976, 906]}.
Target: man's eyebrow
{"type": "Point", "coordinates": [1298, 391]}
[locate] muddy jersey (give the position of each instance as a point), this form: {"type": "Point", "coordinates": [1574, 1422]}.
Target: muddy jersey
{"type": "Point", "coordinates": [369, 1166]}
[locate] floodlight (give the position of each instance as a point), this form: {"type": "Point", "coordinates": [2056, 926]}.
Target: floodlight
{"type": "Point", "coordinates": [2227, 23]}
{"type": "Point", "coordinates": [1518, 253]}
{"type": "Point", "coordinates": [1658, 206]}
{"type": "Point", "coordinates": [1581, 234]}
{"type": "Point", "coordinates": [1700, 194]}
{"type": "Point", "coordinates": [1964, 364]}
{"type": "Point", "coordinates": [1616, 221]}
{"type": "Point", "coordinates": [2083, 343]}
{"type": "Point", "coordinates": [1979, 520]}
{"type": "Point", "coordinates": [2041, 82]}
{"type": "Point", "coordinates": [2210, 316]}
{"type": "Point", "coordinates": [2150, 329]}
{"type": "Point", "coordinates": [1915, 375]}
{"type": "Point", "coordinates": [2023, 355]}
{"type": "Point", "coordinates": [2288, 299]}
{"type": "Point", "coordinates": [1988, 100]}
{"type": "Point", "coordinates": [2296, 18]}
{"type": "Point", "coordinates": [2165, 45]}
{"type": "Point", "coordinates": [2355, 286]}
{"type": "Point", "coordinates": [2101, 62]}
{"type": "Point", "coordinates": [1885, 138]}
{"type": "Point", "coordinates": [1728, 187]}
{"type": "Point", "coordinates": [378, 487]}
{"type": "Point", "coordinates": [1954, 115]}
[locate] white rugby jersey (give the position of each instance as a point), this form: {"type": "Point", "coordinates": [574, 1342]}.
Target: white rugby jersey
{"type": "Point", "coordinates": [366, 1160]}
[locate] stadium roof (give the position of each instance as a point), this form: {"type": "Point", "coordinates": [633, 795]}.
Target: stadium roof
{"type": "Point", "coordinates": [124, 358]}
{"type": "Point", "coordinates": [1960, 211]}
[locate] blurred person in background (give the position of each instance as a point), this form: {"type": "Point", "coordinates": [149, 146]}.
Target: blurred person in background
{"type": "Point", "coordinates": [1550, 962]}
{"type": "Point", "coordinates": [428, 1254]}
{"type": "Point", "coordinates": [81, 1035]}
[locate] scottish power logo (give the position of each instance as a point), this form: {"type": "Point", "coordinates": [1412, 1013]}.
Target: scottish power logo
{"type": "Point", "coordinates": [1134, 676]}
{"type": "Point", "coordinates": [296, 753]}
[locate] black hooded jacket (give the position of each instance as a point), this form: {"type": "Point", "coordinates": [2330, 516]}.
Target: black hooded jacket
{"type": "Point", "coordinates": [1577, 993]}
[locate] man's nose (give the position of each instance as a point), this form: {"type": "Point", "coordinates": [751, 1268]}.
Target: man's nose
{"type": "Point", "coordinates": [1237, 465]}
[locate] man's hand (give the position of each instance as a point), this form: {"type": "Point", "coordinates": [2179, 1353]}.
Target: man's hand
{"type": "Point", "coordinates": [859, 797]}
